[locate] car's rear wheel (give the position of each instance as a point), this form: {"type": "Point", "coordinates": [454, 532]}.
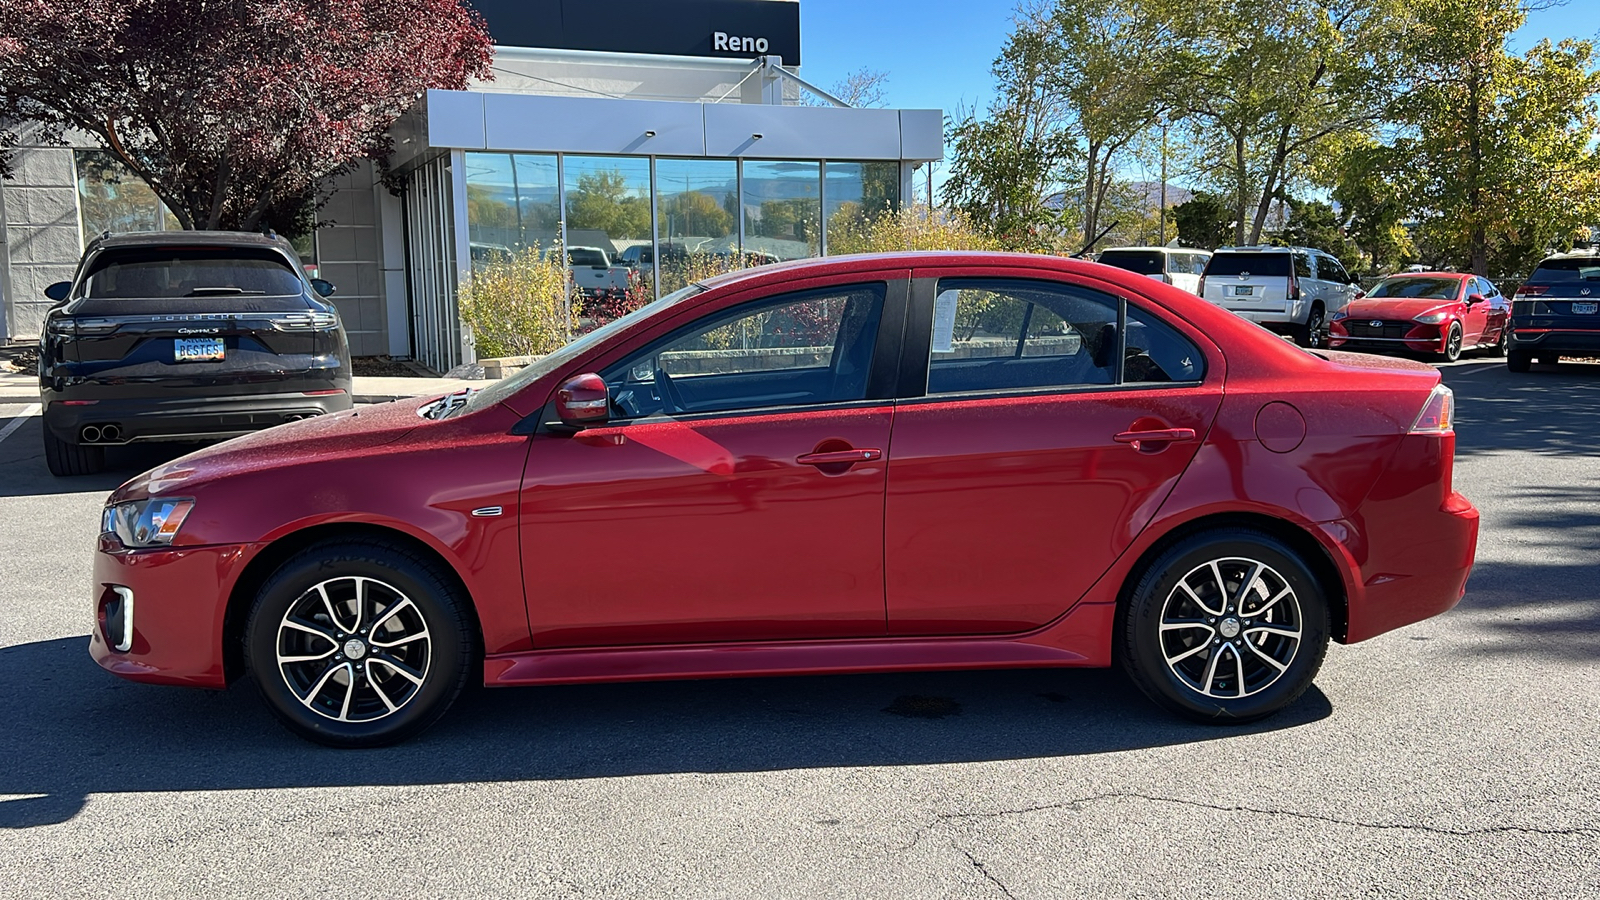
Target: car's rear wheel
{"type": "Point", "coordinates": [1503, 345]}
{"type": "Point", "coordinates": [1311, 333]}
{"type": "Point", "coordinates": [65, 458]}
{"type": "Point", "coordinates": [1519, 360]}
{"type": "Point", "coordinates": [1452, 343]}
{"type": "Point", "coordinates": [359, 643]}
{"type": "Point", "coordinates": [1225, 626]}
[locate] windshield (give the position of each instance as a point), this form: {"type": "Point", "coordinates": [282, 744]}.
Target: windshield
{"type": "Point", "coordinates": [505, 387]}
{"type": "Point", "coordinates": [1577, 268]}
{"type": "Point", "coordinates": [1145, 262]}
{"type": "Point", "coordinates": [176, 272]}
{"type": "Point", "coordinates": [1416, 289]}
{"type": "Point", "coordinates": [1260, 264]}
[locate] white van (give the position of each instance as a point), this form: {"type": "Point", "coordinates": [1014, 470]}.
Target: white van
{"type": "Point", "coordinates": [1290, 290]}
{"type": "Point", "coordinates": [1178, 266]}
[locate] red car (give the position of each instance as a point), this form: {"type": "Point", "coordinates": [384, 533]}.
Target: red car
{"type": "Point", "coordinates": [857, 464]}
{"type": "Point", "coordinates": [1441, 313]}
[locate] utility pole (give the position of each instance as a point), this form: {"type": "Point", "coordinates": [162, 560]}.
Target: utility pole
{"type": "Point", "coordinates": [1162, 236]}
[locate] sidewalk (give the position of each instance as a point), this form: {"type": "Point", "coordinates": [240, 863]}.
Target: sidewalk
{"type": "Point", "coordinates": [23, 387]}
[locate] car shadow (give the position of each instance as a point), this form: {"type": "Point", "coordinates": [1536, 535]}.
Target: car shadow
{"type": "Point", "coordinates": [1552, 409]}
{"type": "Point", "coordinates": [76, 730]}
{"type": "Point", "coordinates": [25, 473]}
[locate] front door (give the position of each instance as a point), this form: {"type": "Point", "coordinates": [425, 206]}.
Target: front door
{"type": "Point", "coordinates": [737, 493]}
{"type": "Point", "coordinates": [1056, 420]}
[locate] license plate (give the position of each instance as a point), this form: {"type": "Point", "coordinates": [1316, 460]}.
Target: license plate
{"type": "Point", "coordinates": [1245, 291]}
{"type": "Point", "coordinates": [1585, 309]}
{"type": "Point", "coordinates": [197, 349]}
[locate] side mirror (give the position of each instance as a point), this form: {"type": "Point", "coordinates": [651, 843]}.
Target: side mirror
{"type": "Point", "coordinates": [1473, 299]}
{"type": "Point", "coordinates": [323, 287]}
{"type": "Point", "coordinates": [58, 291]}
{"type": "Point", "coordinates": [1359, 294]}
{"type": "Point", "coordinates": [583, 401]}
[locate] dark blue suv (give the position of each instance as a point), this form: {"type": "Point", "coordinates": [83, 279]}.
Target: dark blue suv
{"type": "Point", "coordinates": [1556, 312]}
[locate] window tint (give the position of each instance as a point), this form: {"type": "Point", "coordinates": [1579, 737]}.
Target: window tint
{"type": "Point", "coordinates": [1330, 269]}
{"type": "Point", "coordinates": [799, 349]}
{"type": "Point", "coordinates": [1302, 265]}
{"type": "Point", "coordinates": [1145, 262]}
{"type": "Point", "coordinates": [993, 335]}
{"type": "Point", "coordinates": [1578, 268]}
{"type": "Point", "coordinates": [1156, 352]}
{"type": "Point", "coordinates": [1262, 264]}
{"type": "Point", "coordinates": [171, 273]}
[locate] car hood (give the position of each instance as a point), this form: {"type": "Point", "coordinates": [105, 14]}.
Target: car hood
{"type": "Point", "coordinates": [1392, 309]}
{"type": "Point", "coordinates": [339, 434]}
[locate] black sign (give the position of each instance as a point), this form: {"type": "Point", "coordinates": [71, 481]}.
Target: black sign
{"type": "Point", "coordinates": [732, 29]}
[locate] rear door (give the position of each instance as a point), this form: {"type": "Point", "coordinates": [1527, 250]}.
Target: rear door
{"type": "Point", "coordinates": [1019, 474]}
{"type": "Point", "coordinates": [1249, 282]}
{"type": "Point", "coordinates": [151, 321]}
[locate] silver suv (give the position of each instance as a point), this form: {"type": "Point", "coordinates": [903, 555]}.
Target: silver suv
{"type": "Point", "coordinates": [1289, 290]}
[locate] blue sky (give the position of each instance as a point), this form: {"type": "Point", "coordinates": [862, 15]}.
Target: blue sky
{"type": "Point", "coordinates": [938, 53]}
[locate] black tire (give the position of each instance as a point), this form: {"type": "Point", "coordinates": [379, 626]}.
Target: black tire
{"type": "Point", "coordinates": [1310, 334]}
{"type": "Point", "coordinates": [380, 704]}
{"type": "Point", "coordinates": [1503, 345]}
{"type": "Point", "coordinates": [1169, 665]}
{"type": "Point", "coordinates": [1519, 361]}
{"type": "Point", "coordinates": [1452, 343]}
{"type": "Point", "coordinates": [65, 459]}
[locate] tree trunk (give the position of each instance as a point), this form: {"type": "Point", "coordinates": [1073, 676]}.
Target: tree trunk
{"type": "Point", "coordinates": [1269, 185]}
{"type": "Point", "coordinates": [1239, 174]}
{"type": "Point", "coordinates": [1477, 239]}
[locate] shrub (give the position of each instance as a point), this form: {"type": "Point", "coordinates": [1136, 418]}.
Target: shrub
{"type": "Point", "coordinates": [914, 228]}
{"type": "Point", "coordinates": [516, 304]}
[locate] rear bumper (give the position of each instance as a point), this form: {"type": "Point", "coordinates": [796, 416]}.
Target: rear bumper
{"type": "Point", "coordinates": [1571, 341]}
{"type": "Point", "coordinates": [186, 418]}
{"type": "Point", "coordinates": [167, 608]}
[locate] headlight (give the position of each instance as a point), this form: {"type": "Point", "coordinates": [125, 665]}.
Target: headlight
{"type": "Point", "coordinates": [147, 523]}
{"type": "Point", "coordinates": [1432, 318]}
{"type": "Point", "coordinates": [1340, 316]}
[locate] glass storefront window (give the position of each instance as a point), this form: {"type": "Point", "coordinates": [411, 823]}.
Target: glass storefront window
{"type": "Point", "coordinates": [782, 210]}
{"type": "Point", "coordinates": [512, 203]}
{"type": "Point", "coordinates": [608, 206]}
{"type": "Point", "coordinates": [857, 193]}
{"type": "Point", "coordinates": [697, 205]}
{"type": "Point", "coordinates": [114, 199]}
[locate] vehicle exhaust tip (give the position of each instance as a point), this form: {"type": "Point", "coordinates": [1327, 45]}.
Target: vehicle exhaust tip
{"type": "Point", "coordinates": [90, 434]}
{"type": "Point", "coordinates": [110, 432]}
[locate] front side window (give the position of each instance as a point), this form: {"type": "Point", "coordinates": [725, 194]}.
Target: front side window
{"type": "Point", "coordinates": [799, 349]}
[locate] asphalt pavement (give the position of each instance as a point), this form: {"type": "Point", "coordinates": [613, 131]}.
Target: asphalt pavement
{"type": "Point", "coordinates": [1459, 757]}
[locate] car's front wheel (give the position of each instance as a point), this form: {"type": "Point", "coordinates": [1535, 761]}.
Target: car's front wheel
{"type": "Point", "coordinates": [65, 458]}
{"type": "Point", "coordinates": [359, 643]}
{"type": "Point", "coordinates": [1452, 343]}
{"type": "Point", "coordinates": [1225, 626]}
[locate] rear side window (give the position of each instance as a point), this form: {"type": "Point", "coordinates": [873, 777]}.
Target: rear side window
{"type": "Point", "coordinates": [1552, 271]}
{"type": "Point", "coordinates": [1145, 262]}
{"type": "Point", "coordinates": [1302, 265]}
{"type": "Point", "coordinates": [171, 273]}
{"type": "Point", "coordinates": [1156, 352]}
{"type": "Point", "coordinates": [1267, 265]}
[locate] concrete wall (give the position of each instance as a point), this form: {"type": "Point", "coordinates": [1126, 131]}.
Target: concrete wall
{"type": "Point", "coordinates": [350, 247]}
{"type": "Point", "coordinates": [39, 235]}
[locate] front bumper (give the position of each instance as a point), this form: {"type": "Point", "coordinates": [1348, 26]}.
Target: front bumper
{"type": "Point", "coordinates": [167, 607]}
{"type": "Point", "coordinates": [186, 418]}
{"type": "Point", "coordinates": [1421, 339]}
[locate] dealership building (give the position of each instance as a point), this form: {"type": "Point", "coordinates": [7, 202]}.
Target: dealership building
{"type": "Point", "coordinates": [652, 130]}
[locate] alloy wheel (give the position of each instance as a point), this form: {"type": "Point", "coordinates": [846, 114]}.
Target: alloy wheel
{"type": "Point", "coordinates": [1231, 627]}
{"type": "Point", "coordinates": [1452, 344]}
{"type": "Point", "coordinates": [354, 649]}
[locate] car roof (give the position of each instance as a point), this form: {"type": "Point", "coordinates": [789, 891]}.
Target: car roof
{"type": "Point", "coordinates": [1161, 249]}
{"type": "Point", "coordinates": [189, 239]}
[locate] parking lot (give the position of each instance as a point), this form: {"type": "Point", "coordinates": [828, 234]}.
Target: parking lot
{"type": "Point", "coordinates": [1458, 758]}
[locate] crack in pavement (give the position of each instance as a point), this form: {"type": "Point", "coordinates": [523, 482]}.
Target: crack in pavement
{"type": "Point", "coordinates": [984, 870]}
{"type": "Point", "coordinates": [1314, 817]}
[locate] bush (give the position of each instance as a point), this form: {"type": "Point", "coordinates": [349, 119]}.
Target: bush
{"type": "Point", "coordinates": [909, 229]}
{"type": "Point", "coordinates": [516, 304]}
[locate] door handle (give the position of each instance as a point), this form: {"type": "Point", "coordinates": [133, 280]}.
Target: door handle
{"type": "Point", "coordinates": [1159, 436]}
{"type": "Point", "coordinates": [835, 457]}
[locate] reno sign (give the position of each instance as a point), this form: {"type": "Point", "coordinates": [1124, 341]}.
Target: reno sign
{"type": "Point", "coordinates": [731, 29]}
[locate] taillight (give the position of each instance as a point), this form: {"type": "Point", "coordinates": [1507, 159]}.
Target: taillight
{"type": "Point", "coordinates": [1531, 290]}
{"type": "Point", "coordinates": [317, 321]}
{"type": "Point", "coordinates": [1202, 285]}
{"type": "Point", "coordinates": [1438, 414]}
{"type": "Point", "coordinates": [1294, 287]}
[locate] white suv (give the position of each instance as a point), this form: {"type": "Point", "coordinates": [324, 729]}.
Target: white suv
{"type": "Point", "coordinates": [1290, 290]}
{"type": "Point", "coordinates": [1178, 266]}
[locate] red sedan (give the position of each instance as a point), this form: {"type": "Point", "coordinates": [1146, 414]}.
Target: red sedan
{"type": "Point", "coordinates": [1441, 313]}
{"type": "Point", "coordinates": [878, 463]}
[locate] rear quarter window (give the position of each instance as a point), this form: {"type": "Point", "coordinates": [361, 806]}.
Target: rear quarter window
{"type": "Point", "coordinates": [1142, 262]}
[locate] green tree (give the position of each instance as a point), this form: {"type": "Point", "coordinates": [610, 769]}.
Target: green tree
{"type": "Point", "coordinates": [694, 213]}
{"type": "Point", "coordinates": [1312, 223]}
{"type": "Point", "coordinates": [1205, 220]}
{"type": "Point", "coordinates": [603, 201]}
{"type": "Point", "coordinates": [1495, 152]}
{"type": "Point", "coordinates": [1373, 208]}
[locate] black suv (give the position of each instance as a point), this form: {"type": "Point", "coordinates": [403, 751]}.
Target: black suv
{"type": "Point", "coordinates": [1556, 312]}
{"type": "Point", "coordinates": [185, 336]}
